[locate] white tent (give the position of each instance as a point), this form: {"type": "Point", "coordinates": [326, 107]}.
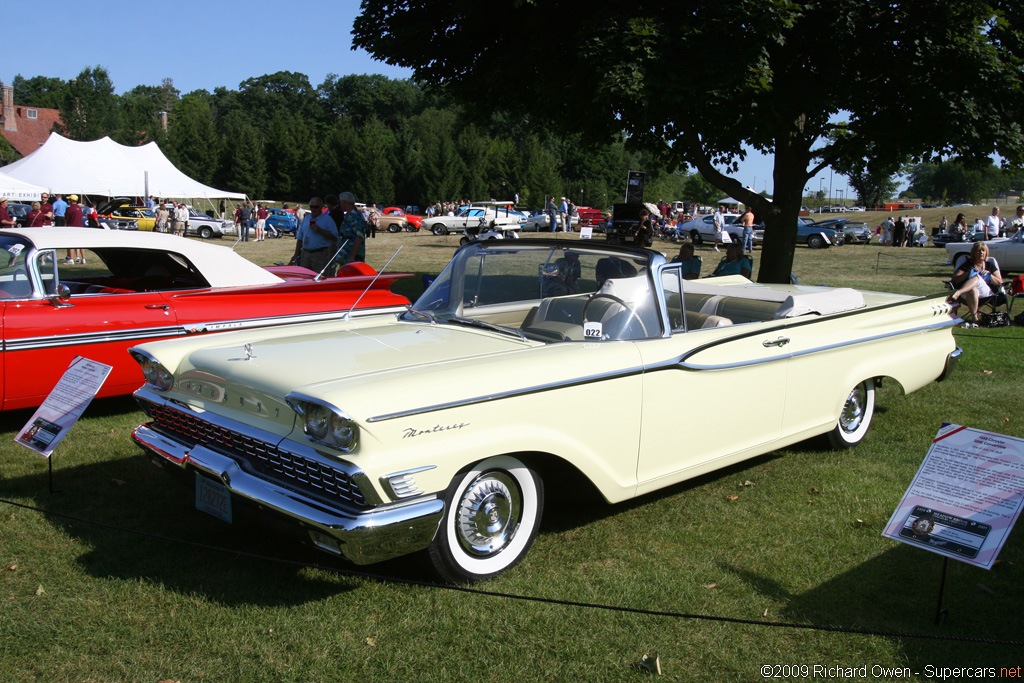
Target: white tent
{"type": "Point", "coordinates": [104, 167]}
{"type": "Point", "coordinates": [18, 190]}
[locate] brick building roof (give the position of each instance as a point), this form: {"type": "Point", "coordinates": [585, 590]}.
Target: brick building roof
{"type": "Point", "coordinates": [31, 126]}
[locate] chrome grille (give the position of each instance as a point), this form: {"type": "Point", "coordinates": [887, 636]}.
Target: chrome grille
{"type": "Point", "coordinates": [281, 466]}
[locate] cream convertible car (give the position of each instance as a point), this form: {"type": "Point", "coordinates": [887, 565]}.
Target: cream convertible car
{"type": "Point", "coordinates": [439, 428]}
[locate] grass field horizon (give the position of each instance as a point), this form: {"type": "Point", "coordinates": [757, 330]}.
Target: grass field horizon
{"type": "Point", "coordinates": [793, 536]}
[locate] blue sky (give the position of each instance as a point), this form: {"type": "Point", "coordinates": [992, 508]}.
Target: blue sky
{"type": "Point", "coordinates": [203, 45]}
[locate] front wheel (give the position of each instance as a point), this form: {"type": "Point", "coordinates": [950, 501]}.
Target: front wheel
{"type": "Point", "coordinates": [394, 227]}
{"type": "Point", "coordinates": [492, 513]}
{"type": "Point", "coordinates": [205, 232]}
{"type": "Point", "coordinates": [696, 237]}
{"type": "Point", "coordinates": [855, 417]}
{"type": "Point", "coordinates": [440, 230]}
{"type": "Point", "coordinates": [815, 242]}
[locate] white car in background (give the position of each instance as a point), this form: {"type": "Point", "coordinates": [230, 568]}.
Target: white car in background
{"type": "Point", "coordinates": [1007, 251]}
{"type": "Point", "coordinates": [478, 216]}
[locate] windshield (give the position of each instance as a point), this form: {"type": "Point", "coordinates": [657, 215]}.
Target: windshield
{"type": "Point", "coordinates": [546, 292]}
{"type": "Point", "coordinates": [14, 277]}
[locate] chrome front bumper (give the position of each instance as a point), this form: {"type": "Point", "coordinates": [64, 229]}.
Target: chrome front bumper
{"type": "Point", "coordinates": [361, 536]}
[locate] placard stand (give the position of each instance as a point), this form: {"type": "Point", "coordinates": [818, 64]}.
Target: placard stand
{"type": "Point", "coordinates": [940, 613]}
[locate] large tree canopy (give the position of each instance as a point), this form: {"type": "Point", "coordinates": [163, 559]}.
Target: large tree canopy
{"type": "Point", "coordinates": [699, 81]}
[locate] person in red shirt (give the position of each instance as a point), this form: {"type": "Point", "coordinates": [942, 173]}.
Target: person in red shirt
{"type": "Point", "coordinates": [73, 219]}
{"type": "Point", "coordinates": [261, 222]}
{"type": "Point", "coordinates": [6, 219]}
{"type": "Point", "coordinates": [46, 208]}
{"type": "Point", "coordinates": [35, 217]}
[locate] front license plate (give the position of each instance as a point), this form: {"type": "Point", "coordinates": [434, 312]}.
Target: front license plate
{"type": "Point", "coordinates": [213, 498]}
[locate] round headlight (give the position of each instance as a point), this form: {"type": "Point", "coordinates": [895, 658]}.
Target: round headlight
{"type": "Point", "coordinates": [343, 432]}
{"type": "Point", "coordinates": [317, 421]}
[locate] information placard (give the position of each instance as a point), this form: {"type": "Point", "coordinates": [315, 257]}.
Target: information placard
{"type": "Point", "coordinates": [65, 404]}
{"type": "Point", "coordinates": [965, 497]}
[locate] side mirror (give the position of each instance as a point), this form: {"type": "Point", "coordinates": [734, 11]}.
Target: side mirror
{"type": "Point", "coordinates": [62, 299]}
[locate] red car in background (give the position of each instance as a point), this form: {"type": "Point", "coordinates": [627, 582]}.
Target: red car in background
{"type": "Point", "coordinates": [127, 288]}
{"type": "Point", "coordinates": [589, 216]}
{"type": "Point", "coordinates": [395, 219]}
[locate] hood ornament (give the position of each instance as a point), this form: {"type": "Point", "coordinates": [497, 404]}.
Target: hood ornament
{"type": "Point", "coordinates": [248, 352]}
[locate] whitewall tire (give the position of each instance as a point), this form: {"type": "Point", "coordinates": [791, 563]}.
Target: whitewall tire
{"type": "Point", "coordinates": [491, 517]}
{"type": "Point", "coordinates": [855, 418]}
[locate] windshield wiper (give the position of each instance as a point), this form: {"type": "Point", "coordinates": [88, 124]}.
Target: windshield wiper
{"type": "Point", "coordinates": [473, 322]}
{"type": "Point", "coordinates": [426, 314]}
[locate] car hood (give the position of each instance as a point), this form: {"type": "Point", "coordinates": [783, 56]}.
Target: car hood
{"type": "Point", "coordinates": [369, 370]}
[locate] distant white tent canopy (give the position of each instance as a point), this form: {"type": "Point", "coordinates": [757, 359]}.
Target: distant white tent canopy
{"type": "Point", "coordinates": [104, 167]}
{"type": "Point", "coordinates": [18, 190]}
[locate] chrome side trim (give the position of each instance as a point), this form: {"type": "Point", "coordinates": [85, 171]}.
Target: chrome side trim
{"type": "Point", "coordinates": [828, 347]}
{"type": "Point", "coordinates": [293, 319]}
{"type": "Point", "coordinates": [29, 343]}
{"type": "Point", "coordinates": [540, 388]}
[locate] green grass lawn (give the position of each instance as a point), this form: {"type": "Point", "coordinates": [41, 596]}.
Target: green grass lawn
{"type": "Point", "coordinates": [793, 536]}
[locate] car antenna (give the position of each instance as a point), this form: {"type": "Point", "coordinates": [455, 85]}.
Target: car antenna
{"type": "Point", "coordinates": [320, 275]}
{"type": "Point", "coordinates": [348, 313]}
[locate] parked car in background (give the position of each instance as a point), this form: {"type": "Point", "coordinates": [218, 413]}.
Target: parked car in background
{"type": "Point", "coordinates": [1007, 251]}
{"type": "Point", "coordinates": [589, 216]}
{"type": "Point", "coordinates": [443, 429]}
{"type": "Point", "coordinates": [479, 215]}
{"type": "Point", "coordinates": [540, 222]}
{"type": "Point", "coordinates": [817, 237]}
{"type": "Point", "coordinates": [135, 287]}
{"type": "Point", "coordinates": [121, 207]}
{"type": "Point", "coordinates": [702, 228]}
{"type": "Point", "coordinates": [206, 227]}
{"type": "Point", "coordinates": [395, 219]}
{"type": "Point", "coordinates": [19, 212]}
{"type": "Point", "coordinates": [280, 221]}
{"type": "Point", "coordinates": [853, 232]}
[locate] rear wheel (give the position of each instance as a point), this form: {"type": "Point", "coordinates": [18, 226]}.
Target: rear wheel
{"type": "Point", "coordinates": [492, 513]}
{"type": "Point", "coordinates": [855, 417]}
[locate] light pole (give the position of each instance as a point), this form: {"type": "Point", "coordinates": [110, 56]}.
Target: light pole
{"type": "Point", "coordinates": [830, 189]}
{"type": "Point", "coordinates": [821, 181]}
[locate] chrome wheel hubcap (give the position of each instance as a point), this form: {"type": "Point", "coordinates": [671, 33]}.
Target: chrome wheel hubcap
{"type": "Point", "coordinates": [853, 411]}
{"type": "Point", "coordinates": [488, 514]}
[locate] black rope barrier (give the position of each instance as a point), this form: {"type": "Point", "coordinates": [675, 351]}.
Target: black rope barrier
{"type": "Point", "coordinates": [513, 596]}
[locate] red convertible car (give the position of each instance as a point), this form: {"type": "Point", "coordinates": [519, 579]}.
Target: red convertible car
{"type": "Point", "coordinates": [123, 288]}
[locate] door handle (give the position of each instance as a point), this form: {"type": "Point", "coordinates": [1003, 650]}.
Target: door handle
{"type": "Point", "coordinates": [155, 307]}
{"type": "Point", "coordinates": [781, 341]}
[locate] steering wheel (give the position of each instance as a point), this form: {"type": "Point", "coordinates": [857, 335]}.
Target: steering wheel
{"type": "Point", "coordinates": [629, 309]}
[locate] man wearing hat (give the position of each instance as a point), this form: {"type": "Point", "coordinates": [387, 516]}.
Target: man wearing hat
{"type": "Point", "coordinates": [73, 219]}
{"type": "Point", "coordinates": [73, 216]}
{"type": "Point", "coordinates": [6, 220]}
{"type": "Point", "coordinates": [352, 230]}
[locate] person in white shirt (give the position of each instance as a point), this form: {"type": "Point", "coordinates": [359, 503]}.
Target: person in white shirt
{"type": "Point", "coordinates": [719, 220]}
{"type": "Point", "coordinates": [993, 223]}
{"type": "Point", "coordinates": [1016, 222]}
{"type": "Point", "coordinates": [180, 219]}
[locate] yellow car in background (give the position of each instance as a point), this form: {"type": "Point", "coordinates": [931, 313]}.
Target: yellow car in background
{"type": "Point", "coordinates": [144, 215]}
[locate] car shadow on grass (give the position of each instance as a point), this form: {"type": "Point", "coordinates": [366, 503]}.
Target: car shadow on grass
{"type": "Point", "coordinates": [135, 522]}
{"type": "Point", "coordinates": [897, 592]}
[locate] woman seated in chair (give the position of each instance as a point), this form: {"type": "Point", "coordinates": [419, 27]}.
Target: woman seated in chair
{"type": "Point", "coordinates": [976, 278]}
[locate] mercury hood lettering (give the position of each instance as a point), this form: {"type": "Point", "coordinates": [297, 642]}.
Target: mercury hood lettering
{"type": "Point", "coordinates": [410, 432]}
